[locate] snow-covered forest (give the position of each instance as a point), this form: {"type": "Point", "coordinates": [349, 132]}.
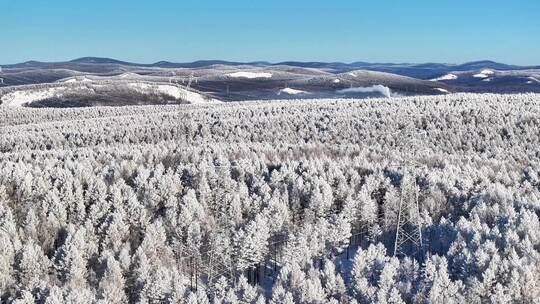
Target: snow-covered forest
{"type": "Point", "coordinates": [272, 202]}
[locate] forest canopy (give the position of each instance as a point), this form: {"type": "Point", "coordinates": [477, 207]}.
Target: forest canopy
{"type": "Point", "coordinates": [272, 202]}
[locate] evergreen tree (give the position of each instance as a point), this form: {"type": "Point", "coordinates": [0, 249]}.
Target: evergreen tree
{"type": "Point", "coordinates": [437, 287]}
{"type": "Point", "coordinates": [32, 266]}
{"type": "Point", "coordinates": [112, 284]}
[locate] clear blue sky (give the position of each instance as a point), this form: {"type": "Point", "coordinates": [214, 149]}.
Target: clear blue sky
{"type": "Point", "coordinates": [452, 31]}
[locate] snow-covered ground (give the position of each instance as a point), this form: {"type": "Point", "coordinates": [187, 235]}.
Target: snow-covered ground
{"type": "Point", "coordinates": [29, 94]}
{"type": "Point", "coordinates": [76, 79]}
{"type": "Point", "coordinates": [128, 75]}
{"type": "Point", "coordinates": [179, 93]}
{"type": "Point", "coordinates": [442, 90]}
{"type": "Point", "coordinates": [291, 91]}
{"type": "Point", "coordinates": [446, 77]}
{"type": "Point", "coordinates": [140, 86]}
{"type": "Point", "coordinates": [250, 75]}
{"type": "Point", "coordinates": [533, 80]}
{"type": "Point", "coordinates": [173, 91]}
{"type": "Point", "coordinates": [480, 75]}
{"type": "Point", "coordinates": [487, 72]}
{"type": "Point", "coordinates": [484, 74]}
{"type": "Point", "coordinates": [20, 98]}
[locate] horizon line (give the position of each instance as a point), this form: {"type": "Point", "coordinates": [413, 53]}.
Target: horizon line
{"type": "Point", "coordinates": [268, 62]}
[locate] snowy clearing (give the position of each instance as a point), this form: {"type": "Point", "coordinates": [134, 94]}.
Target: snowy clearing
{"type": "Point", "coordinates": [291, 91]}
{"type": "Point", "coordinates": [442, 90]}
{"type": "Point", "coordinates": [20, 98]}
{"type": "Point", "coordinates": [173, 91]}
{"type": "Point", "coordinates": [77, 79]}
{"type": "Point", "coordinates": [128, 75]}
{"type": "Point", "coordinates": [487, 72]}
{"type": "Point", "coordinates": [484, 74]}
{"type": "Point", "coordinates": [250, 75]}
{"type": "Point", "coordinates": [533, 79]}
{"type": "Point", "coordinates": [480, 75]}
{"type": "Point", "coordinates": [179, 93]}
{"type": "Point", "coordinates": [73, 89]}
{"type": "Point", "coordinates": [446, 77]}
{"type": "Point", "coordinates": [140, 86]}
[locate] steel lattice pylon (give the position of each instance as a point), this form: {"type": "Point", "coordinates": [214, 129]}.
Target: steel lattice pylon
{"type": "Point", "coordinates": [408, 239]}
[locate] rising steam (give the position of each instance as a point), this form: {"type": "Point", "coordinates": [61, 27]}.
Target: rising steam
{"type": "Point", "coordinates": [385, 91]}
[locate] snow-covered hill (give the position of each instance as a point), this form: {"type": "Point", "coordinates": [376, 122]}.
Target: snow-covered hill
{"type": "Point", "coordinates": [84, 91]}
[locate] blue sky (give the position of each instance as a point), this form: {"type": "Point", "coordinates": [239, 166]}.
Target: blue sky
{"type": "Point", "coordinates": [452, 31]}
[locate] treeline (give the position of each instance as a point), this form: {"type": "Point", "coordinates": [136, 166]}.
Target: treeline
{"type": "Point", "coordinates": [293, 202]}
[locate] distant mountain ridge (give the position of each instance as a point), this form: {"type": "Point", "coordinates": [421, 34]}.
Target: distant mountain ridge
{"type": "Point", "coordinates": [309, 64]}
{"type": "Point", "coordinates": [423, 71]}
{"type": "Point", "coordinates": [100, 60]}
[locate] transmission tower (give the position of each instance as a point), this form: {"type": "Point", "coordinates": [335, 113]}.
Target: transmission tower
{"type": "Point", "coordinates": [190, 80]}
{"type": "Point", "coordinates": [173, 77]}
{"type": "Point", "coordinates": [408, 239]}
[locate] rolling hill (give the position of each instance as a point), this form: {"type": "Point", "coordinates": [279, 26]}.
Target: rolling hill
{"type": "Point", "coordinates": [237, 81]}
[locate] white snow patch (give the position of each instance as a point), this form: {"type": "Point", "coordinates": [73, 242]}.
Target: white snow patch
{"type": "Point", "coordinates": [140, 85]}
{"type": "Point", "coordinates": [487, 72]}
{"type": "Point", "coordinates": [128, 74]}
{"type": "Point", "coordinates": [480, 75]}
{"type": "Point", "coordinates": [173, 91]}
{"type": "Point", "coordinates": [484, 74]}
{"type": "Point", "coordinates": [446, 77]}
{"type": "Point", "coordinates": [291, 91]}
{"type": "Point", "coordinates": [336, 81]}
{"type": "Point", "coordinates": [23, 97]}
{"type": "Point", "coordinates": [532, 79]}
{"type": "Point", "coordinates": [179, 93]}
{"type": "Point", "coordinates": [385, 91]}
{"type": "Point", "coordinates": [442, 90]}
{"type": "Point", "coordinates": [20, 98]}
{"type": "Point", "coordinates": [250, 75]}
{"type": "Point", "coordinates": [352, 74]}
{"type": "Point", "coordinates": [77, 79]}
{"type": "Point", "coordinates": [487, 79]}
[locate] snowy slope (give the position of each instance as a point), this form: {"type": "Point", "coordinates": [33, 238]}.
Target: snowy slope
{"type": "Point", "coordinates": [74, 89]}
{"type": "Point", "coordinates": [23, 97]}
{"type": "Point", "coordinates": [446, 77]}
{"type": "Point", "coordinates": [250, 75]}
{"type": "Point", "coordinates": [291, 91]}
